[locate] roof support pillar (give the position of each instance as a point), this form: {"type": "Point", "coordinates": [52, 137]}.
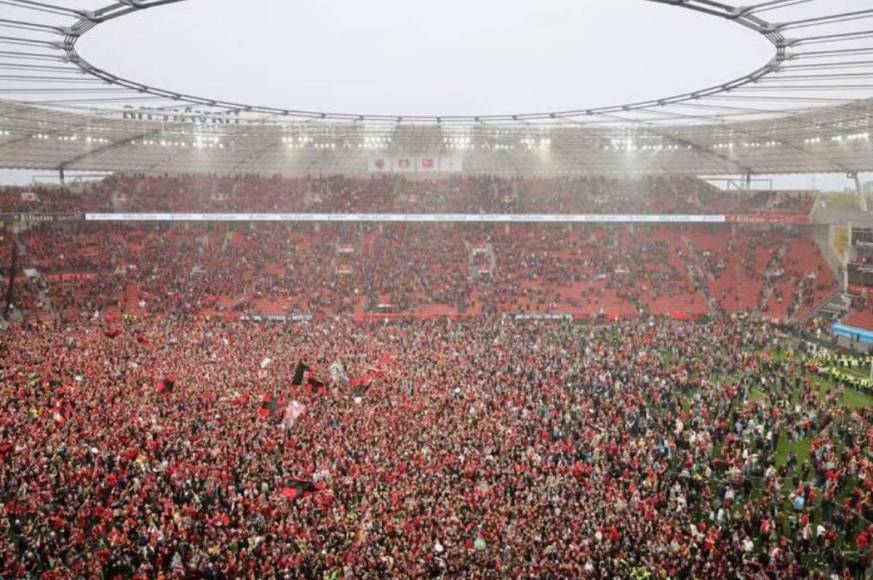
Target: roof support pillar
{"type": "Point", "coordinates": [859, 191]}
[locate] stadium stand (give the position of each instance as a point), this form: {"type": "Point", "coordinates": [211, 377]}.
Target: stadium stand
{"type": "Point", "coordinates": [381, 194]}
{"type": "Point", "coordinates": [424, 270]}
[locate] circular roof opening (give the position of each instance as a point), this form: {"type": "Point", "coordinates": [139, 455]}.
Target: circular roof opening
{"type": "Point", "coordinates": [452, 57]}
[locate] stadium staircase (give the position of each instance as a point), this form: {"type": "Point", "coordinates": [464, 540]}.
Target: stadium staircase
{"type": "Point", "coordinates": [701, 275]}
{"type": "Point", "coordinates": [48, 310]}
{"type": "Point", "coordinates": [368, 241]}
{"type": "Point", "coordinates": [834, 307]}
{"type": "Point", "coordinates": [770, 289]}
{"type": "Point", "coordinates": [132, 299]}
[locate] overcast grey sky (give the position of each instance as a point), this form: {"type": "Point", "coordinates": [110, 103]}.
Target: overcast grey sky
{"type": "Point", "coordinates": [411, 56]}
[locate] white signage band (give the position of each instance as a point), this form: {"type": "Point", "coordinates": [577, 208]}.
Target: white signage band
{"type": "Point", "coordinates": [408, 218]}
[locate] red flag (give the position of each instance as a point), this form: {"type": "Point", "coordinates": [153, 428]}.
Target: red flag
{"type": "Point", "coordinates": [366, 379]}
{"type": "Point", "coordinates": [297, 488]}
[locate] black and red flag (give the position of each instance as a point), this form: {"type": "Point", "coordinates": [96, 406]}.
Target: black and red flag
{"type": "Point", "coordinates": [314, 384]}
{"type": "Point", "coordinates": [304, 375]}
{"type": "Point", "coordinates": [269, 405]}
{"type": "Point", "coordinates": [299, 373]}
{"type": "Point", "coordinates": [297, 488]}
{"type": "Point", "coordinates": [360, 384]}
{"type": "Point", "coordinates": [167, 385]}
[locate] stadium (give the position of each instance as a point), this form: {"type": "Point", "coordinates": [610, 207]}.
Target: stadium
{"type": "Point", "coordinates": [402, 329]}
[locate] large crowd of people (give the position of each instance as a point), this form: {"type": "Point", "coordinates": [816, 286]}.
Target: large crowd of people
{"type": "Point", "coordinates": [425, 270]}
{"type": "Point", "coordinates": [390, 400]}
{"type": "Point", "coordinates": [483, 448]}
{"type": "Point", "coordinates": [387, 194]}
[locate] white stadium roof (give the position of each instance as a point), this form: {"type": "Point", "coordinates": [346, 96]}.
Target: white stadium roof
{"type": "Point", "coordinates": [808, 109]}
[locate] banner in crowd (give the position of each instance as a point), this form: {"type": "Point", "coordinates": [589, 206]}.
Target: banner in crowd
{"type": "Point", "coordinates": [278, 318]}
{"type": "Point", "coordinates": [39, 218]}
{"type": "Point", "coordinates": [537, 317]}
{"type": "Point", "coordinates": [426, 166]}
{"type": "Point", "coordinates": [409, 218]}
{"type": "Point", "coordinates": [70, 277]}
{"type": "Point", "coordinates": [415, 165]}
{"type": "Point", "coordinates": [773, 219]}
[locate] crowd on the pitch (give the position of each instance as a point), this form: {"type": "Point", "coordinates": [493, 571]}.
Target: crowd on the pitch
{"type": "Point", "coordinates": [147, 431]}
{"type": "Point", "coordinates": [485, 449]}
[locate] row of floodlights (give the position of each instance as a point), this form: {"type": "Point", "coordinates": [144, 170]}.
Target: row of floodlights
{"type": "Point", "coordinates": [807, 141]}
{"type": "Point", "coordinates": [631, 145]}
{"type": "Point", "coordinates": [306, 142]}
{"type": "Point", "coordinates": [854, 137]}
{"type": "Point", "coordinates": [196, 144]}
{"type": "Point", "coordinates": [747, 145]}
{"type": "Point", "coordinates": [457, 143]}
{"type": "Point", "coordinates": [383, 142]}
{"type": "Point", "coordinates": [532, 144]}
{"type": "Point", "coordinates": [69, 138]}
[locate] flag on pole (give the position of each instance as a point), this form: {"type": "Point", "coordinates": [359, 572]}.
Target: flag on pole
{"type": "Point", "coordinates": [299, 373]}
